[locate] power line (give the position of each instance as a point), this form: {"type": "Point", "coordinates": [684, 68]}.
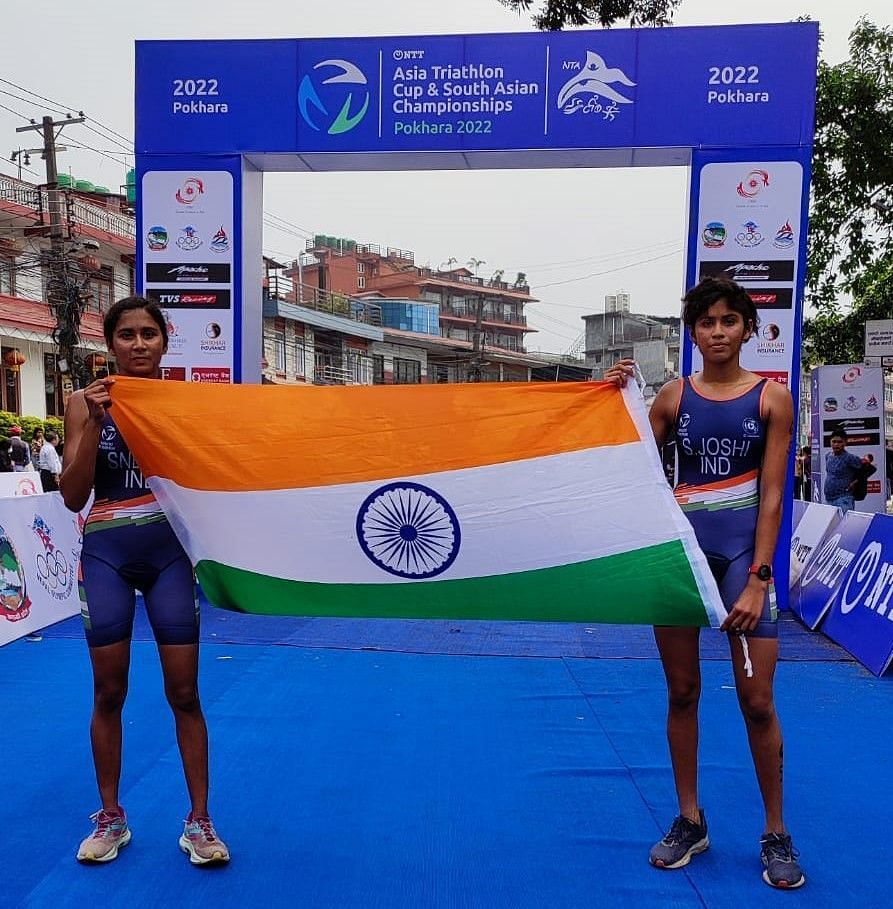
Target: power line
{"type": "Point", "coordinates": [16, 112]}
{"type": "Point", "coordinates": [598, 274]}
{"type": "Point", "coordinates": [606, 256]}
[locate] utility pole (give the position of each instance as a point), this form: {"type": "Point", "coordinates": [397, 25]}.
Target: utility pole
{"type": "Point", "coordinates": [63, 294]}
{"type": "Point", "coordinates": [476, 369]}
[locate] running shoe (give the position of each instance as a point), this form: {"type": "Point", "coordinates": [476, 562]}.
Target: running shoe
{"type": "Point", "coordinates": [685, 839]}
{"type": "Point", "coordinates": [780, 858]}
{"type": "Point", "coordinates": [110, 834]}
{"type": "Point", "coordinates": [201, 843]}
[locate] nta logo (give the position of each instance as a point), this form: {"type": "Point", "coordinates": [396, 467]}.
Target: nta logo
{"type": "Point", "coordinates": [593, 79]}
{"type": "Point", "coordinates": [315, 108]}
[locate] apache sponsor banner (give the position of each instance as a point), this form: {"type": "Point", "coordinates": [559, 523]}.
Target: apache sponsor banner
{"type": "Point", "coordinates": [40, 547]}
{"type": "Point", "coordinates": [850, 397]}
{"type": "Point", "coordinates": [812, 594]}
{"type": "Point", "coordinates": [811, 528]}
{"type": "Point", "coordinates": [187, 273]}
{"type": "Point", "coordinates": [861, 615]}
{"type": "Point", "coordinates": [748, 272]}
{"type": "Point", "coordinates": [176, 298]}
{"type": "Point", "coordinates": [20, 483]}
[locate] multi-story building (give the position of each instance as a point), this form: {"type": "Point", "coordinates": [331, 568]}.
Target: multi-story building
{"type": "Point", "coordinates": [619, 302]}
{"type": "Point", "coordinates": [98, 249]}
{"type": "Point", "coordinates": [653, 341]}
{"type": "Point", "coordinates": [481, 322]}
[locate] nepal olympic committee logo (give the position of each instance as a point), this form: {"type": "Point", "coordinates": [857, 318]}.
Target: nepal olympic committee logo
{"type": "Point", "coordinates": [408, 530]}
{"type": "Point", "coordinates": [317, 104]}
{"type": "Point", "coordinates": [54, 571]}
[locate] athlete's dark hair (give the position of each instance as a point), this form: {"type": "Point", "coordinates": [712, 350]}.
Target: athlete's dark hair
{"type": "Point", "coordinates": [113, 316]}
{"type": "Point", "coordinates": [711, 290]}
{"type": "Point", "coordinates": [839, 434]}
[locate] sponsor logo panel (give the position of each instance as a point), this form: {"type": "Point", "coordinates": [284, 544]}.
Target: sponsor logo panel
{"type": "Point", "coordinates": [187, 272]}
{"type": "Point", "coordinates": [773, 297]}
{"type": "Point", "coordinates": [174, 373]}
{"type": "Point", "coordinates": [748, 272]}
{"type": "Point", "coordinates": [176, 298]}
{"type": "Point", "coordinates": [212, 374]}
{"type": "Point", "coordinates": [773, 375]}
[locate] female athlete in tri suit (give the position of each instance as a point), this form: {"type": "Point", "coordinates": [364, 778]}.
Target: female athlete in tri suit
{"type": "Point", "coordinates": [129, 546]}
{"type": "Point", "coordinates": [733, 434]}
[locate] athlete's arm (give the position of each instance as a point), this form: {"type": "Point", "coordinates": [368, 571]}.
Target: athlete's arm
{"type": "Point", "coordinates": [83, 424]}
{"type": "Point", "coordinates": [779, 410]}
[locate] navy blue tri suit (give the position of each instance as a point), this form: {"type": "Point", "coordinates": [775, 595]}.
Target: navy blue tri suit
{"type": "Point", "coordinates": [720, 447]}
{"type": "Point", "coordinates": [130, 546]}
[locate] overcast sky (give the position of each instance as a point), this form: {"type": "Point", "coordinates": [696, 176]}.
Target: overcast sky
{"type": "Point", "coordinates": [577, 234]}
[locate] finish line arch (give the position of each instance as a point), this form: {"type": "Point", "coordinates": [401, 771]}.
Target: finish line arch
{"type": "Point", "coordinates": [734, 104]}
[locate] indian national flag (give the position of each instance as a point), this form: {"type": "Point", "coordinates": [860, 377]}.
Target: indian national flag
{"type": "Point", "coordinates": [485, 501]}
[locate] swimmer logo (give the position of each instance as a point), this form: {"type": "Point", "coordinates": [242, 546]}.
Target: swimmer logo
{"type": "Point", "coordinates": [314, 109]}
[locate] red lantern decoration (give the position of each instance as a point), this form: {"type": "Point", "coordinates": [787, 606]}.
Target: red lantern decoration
{"type": "Point", "coordinates": [14, 359]}
{"type": "Point", "coordinates": [95, 362]}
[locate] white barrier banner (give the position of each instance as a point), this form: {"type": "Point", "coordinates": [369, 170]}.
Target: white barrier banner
{"type": "Point", "coordinates": [40, 547]}
{"type": "Point", "coordinates": [20, 483]}
{"type": "Point", "coordinates": [817, 520]}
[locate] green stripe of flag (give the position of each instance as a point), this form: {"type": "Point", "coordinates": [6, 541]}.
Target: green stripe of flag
{"type": "Point", "coordinates": [651, 586]}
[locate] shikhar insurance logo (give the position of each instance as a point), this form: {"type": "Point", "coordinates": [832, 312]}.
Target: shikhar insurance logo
{"type": "Point", "coordinates": [590, 90]}
{"type": "Point", "coordinates": [335, 85]}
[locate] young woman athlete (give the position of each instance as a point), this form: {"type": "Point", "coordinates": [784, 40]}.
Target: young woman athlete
{"type": "Point", "coordinates": [733, 434]}
{"type": "Point", "coordinates": [129, 546]}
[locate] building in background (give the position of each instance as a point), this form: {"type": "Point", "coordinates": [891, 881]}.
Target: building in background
{"type": "Point", "coordinates": [100, 234]}
{"type": "Point", "coordinates": [652, 341]}
{"type": "Point", "coordinates": [618, 302]}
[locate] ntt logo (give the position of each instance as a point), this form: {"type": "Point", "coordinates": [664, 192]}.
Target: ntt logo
{"type": "Point", "coordinates": [345, 90]}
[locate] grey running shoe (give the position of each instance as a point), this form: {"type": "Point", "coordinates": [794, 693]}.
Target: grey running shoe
{"type": "Point", "coordinates": [780, 858]}
{"type": "Point", "coordinates": [201, 843]}
{"type": "Point", "coordinates": [684, 840]}
{"type": "Point", "coordinates": [110, 834]}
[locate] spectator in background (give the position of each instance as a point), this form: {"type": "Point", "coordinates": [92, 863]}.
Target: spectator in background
{"type": "Point", "coordinates": [798, 475]}
{"type": "Point", "coordinates": [5, 457]}
{"type": "Point", "coordinates": [37, 441]}
{"type": "Point", "coordinates": [806, 451]}
{"type": "Point", "coordinates": [19, 449]}
{"type": "Point", "coordinates": [49, 463]}
{"type": "Point", "coordinates": [842, 470]}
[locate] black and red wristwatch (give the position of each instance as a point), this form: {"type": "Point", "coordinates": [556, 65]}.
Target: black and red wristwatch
{"type": "Point", "coordinates": [763, 572]}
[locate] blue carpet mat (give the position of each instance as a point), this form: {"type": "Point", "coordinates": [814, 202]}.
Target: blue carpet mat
{"type": "Point", "coordinates": [533, 639]}
{"type": "Point", "coordinates": [348, 778]}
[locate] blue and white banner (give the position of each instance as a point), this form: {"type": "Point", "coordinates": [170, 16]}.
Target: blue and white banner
{"type": "Point", "coordinates": [729, 87]}
{"type": "Point", "coordinates": [812, 527]}
{"type": "Point", "coordinates": [823, 574]}
{"type": "Point", "coordinates": [40, 547]}
{"type": "Point", "coordinates": [861, 615]}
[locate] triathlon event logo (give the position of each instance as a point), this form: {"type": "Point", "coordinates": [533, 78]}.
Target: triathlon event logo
{"type": "Point", "coordinates": [784, 236]}
{"type": "Point", "coordinates": [219, 242]}
{"type": "Point", "coordinates": [14, 602]}
{"type": "Point", "coordinates": [190, 190]}
{"type": "Point", "coordinates": [590, 89]}
{"type": "Point", "coordinates": [852, 375]}
{"type": "Point", "coordinates": [347, 90]}
{"type": "Point", "coordinates": [54, 571]}
{"type": "Point", "coordinates": [751, 428]}
{"type": "Point", "coordinates": [753, 184]}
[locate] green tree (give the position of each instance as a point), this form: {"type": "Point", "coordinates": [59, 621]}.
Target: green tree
{"type": "Point", "coordinates": [556, 14]}
{"type": "Point", "coordinates": [839, 337]}
{"type": "Point", "coordinates": [851, 221]}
